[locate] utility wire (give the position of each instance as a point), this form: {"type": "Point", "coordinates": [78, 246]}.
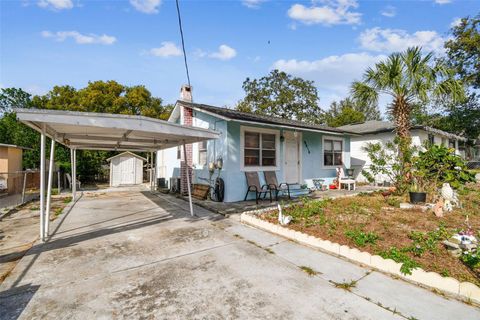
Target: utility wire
{"type": "Point", "coordinates": [183, 43]}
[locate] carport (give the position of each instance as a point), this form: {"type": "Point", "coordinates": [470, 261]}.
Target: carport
{"type": "Point", "coordinates": [103, 131]}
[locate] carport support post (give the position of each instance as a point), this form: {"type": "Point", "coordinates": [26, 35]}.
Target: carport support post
{"type": "Point", "coordinates": [42, 184]}
{"type": "Point", "coordinates": [188, 179]}
{"type": "Point", "coordinates": [49, 190]}
{"type": "Point", "coordinates": [74, 174]}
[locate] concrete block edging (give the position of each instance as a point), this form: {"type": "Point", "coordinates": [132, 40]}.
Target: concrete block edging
{"type": "Point", "coordinates": [464, 290]}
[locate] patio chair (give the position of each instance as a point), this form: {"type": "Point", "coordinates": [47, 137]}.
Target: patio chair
{"type": "Point", "coordinates": [272, 183]}
{"type": "Point", "coordinates": [69, 179]}
{"type": "Point", "coordinates": [342, 180]}
{"type": "Point", "coordinates": [253, 184]}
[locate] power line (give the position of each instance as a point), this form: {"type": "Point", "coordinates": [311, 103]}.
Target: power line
{"type": "Point", "coordinates": [183, 42]}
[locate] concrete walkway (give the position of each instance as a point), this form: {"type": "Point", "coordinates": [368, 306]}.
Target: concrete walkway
{"type": "Point", "coordinates": [133, 255]}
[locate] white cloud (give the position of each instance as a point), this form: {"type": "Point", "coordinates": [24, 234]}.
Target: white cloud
{"type": "Point", "coordinates": [224, 53]}
{"type": "Point", "coordinates": [389, 40]}
{"type": "Point", "coordinates": [146, 6]}
{"type": "Point", "coordinates": [167, 49]}
{"type": "Point", "coordinates": [389, 11]}
{"type": "Point", "coordinates": [80, 38]}
{"type": "Point", "coordinates": [333, 75]}
{"type": "Point", "coordinates": [331, 13]}
{"type": "Point", "coordinates": [56, 4]}
{"type": "Point", "coordinates": [442, 1]}
{"type": "Point", "coordinates": [252, 4]}
{"type": "Point", "coordinates": [456, 22]}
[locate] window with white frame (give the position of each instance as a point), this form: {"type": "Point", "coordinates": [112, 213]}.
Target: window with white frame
{"type": "Point", "coordinates": [202, 153]}
{"type": "Point", "coordinates": [260, 149]}
{"type": "Point", "coordinates": [332, 152]}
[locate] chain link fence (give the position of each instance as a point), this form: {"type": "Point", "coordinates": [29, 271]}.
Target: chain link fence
{"type": "Point", "coordinates": [20, 187]}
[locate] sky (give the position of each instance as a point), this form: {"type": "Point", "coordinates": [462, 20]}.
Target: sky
{"type": "Point", "coordinates": [44, 43]}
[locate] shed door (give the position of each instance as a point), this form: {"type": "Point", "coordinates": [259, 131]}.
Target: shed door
{"type": "Point", "coordinates": [127, 170]}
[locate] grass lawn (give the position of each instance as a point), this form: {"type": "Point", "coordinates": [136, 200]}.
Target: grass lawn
{"type": "Point", "coordinates": [376, 224]}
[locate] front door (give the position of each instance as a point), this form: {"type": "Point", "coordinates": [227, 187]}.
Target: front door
{"type": "Point", "coordinates": [292, 158]}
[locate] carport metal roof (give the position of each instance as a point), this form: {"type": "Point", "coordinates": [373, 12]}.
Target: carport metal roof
{"type": "Point", "coordinates": [104, 131]}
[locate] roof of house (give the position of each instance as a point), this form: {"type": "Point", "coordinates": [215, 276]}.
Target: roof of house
{"type": "Point", "coordinates": [14, 146]}
{"type": "Point", "coordinates": [127, 153]}
{"type": "Point", "coordinates": [231, 114]}
{"type": "Point", "coordinates": [376, 126]}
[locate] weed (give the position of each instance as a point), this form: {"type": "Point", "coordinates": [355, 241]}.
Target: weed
{"type": "Point", "coordinates": [67, 200]}
{"type": "Point", "coordinates": [445, 273]}
{"type": "Point", "coordinates": [361, 238]}
{"type": "Point", "coordinates": [34, 208]}
{"type": "Point", "coordinates": [236, 235]}
{"type": "Point", "coordinates": [58, 211]}
{"type": "Point", "coordinates": [394, 202]}
{"type": "Point", "coordinates": [345, 285]}
{"type": "Point", "coordinates": [269, 250]}
{"type": "Point", "coordinates": [308, 271]}
{"type": "Point", "coordinates": [397, 255]}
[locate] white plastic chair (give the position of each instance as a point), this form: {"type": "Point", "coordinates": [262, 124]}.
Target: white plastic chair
{"type": "Point", "coordinates": [342, 180]}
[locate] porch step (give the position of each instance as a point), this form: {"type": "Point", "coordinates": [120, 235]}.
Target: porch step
{"type": "Point", "coordinates": [296, 191]}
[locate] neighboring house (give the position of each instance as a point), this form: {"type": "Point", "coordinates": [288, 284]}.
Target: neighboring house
{"type": "Point", "coordinates": [10, 164]}
{"type": "Point", "coordinates": [382, 131]}
{"type": "Point", "coordinates": [126, 169]}
{"type": "Point", "coordinates": [294, 150]}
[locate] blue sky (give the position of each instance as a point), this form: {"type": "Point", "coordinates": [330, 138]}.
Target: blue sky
{"type": "Point", "coordinates": [58, 42]}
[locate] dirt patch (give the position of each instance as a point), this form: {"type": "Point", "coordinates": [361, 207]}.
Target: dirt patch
{"type": "Point", "coordinates": [374, 223]}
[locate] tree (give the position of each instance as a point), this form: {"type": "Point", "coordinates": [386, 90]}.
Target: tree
{"type": "Point", "coordinates": [410, 79]}
{"type": "Point", "coordinates": [463, 50]}
{"type": "Point", "coordinates": [348, 111]}
{"type": "Point", "coordinates": [281, 95]}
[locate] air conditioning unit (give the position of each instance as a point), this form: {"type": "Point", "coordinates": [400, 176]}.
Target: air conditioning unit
{"type": "Point", "coordinates": [175, 184]}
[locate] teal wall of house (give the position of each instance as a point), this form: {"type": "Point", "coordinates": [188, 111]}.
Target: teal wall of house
{"type": "Point", "coordinates": [228, 148]}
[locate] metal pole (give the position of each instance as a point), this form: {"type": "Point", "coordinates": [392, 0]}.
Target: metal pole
{"type": "Point", "coordinates": [59, 187]}
{"type": "Point", "coordinates": [24, 186]}
{"type": "Point", "coordinates": [74, 175]}
{"type": "Point", "coordinates": [49, 189]}
{"type": "Point", "coordinates": [42, 185]}
{"type": "Point", "coordinates": [151, 171]}
{"type": "Point", "coordinates": [188, 179]}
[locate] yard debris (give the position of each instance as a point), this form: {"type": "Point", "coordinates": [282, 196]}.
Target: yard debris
{"type": "Point", "coordinates": [461, 242]}
{"type": "Point", "coordinates": [438, 208]}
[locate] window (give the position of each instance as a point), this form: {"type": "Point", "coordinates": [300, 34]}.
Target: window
{"type": "Point", "coordinates": [202, 153]}
{"type": "Point", "coordinates": [179, 152]}
{"type": "Point", "coordinates": [431, 139]}
{"type": "Point", "coordinates": [451, 143]}
{"type": "Point", "coordinates": [332, 152]}
{"type": "Point", "coordinates": [259, 149]}
{"type": "Point", "coordinates": [444, 142]}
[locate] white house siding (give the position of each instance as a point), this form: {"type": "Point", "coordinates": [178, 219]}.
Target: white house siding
{"type": "Point", "coordinates": [360, 159]}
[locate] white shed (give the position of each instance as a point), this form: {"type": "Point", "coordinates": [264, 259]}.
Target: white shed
{"type": "Point", "coordinates": [126, 169]}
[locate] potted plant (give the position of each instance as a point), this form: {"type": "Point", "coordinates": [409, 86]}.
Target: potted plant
{"type": "Point", "coordinates": [417, 189]}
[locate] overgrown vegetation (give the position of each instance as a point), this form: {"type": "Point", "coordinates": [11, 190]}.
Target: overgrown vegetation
{"type": "Point", "coordinates": [375, 223]}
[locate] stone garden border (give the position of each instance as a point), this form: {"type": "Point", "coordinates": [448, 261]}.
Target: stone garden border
{"type": "Point", "coordinates": [466, 291]}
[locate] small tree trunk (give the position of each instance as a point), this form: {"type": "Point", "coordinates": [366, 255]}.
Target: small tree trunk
{"type": "Point", "coordinates": [401, 114]}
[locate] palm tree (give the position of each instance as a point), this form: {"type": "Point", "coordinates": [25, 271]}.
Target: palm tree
{"type": "Point", "coordinates": [409, 78]}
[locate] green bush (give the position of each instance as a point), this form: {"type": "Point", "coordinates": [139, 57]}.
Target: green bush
{"type": "Point", "coordinates": [438, 165]}
{"type": "Point", "coordinates": [397, 255]}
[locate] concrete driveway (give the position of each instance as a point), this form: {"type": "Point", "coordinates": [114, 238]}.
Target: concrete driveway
{"type": "Point", "coordinates": [133, 255]}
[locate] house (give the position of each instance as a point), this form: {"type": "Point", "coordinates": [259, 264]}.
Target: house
{"type": "Point", "coordinates": [382, 131]}
{"type": "Point", "coordinates": [294, 150]}
{"type": "Point", "coordinates": [126, 169]}
{"type": "Point", "coordinates": [10, 164]}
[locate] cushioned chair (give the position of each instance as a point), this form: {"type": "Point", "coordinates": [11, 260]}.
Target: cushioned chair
{"type": "Point", "coordinates": [253, 184]}
{"type": "Point", "coordinates": [272, 183]}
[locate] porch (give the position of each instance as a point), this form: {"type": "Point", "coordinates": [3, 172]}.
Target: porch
{"type": "Point", "coordinates": [228, 208]}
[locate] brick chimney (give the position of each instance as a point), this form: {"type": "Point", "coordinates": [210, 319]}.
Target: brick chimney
{"type": "Point", "coordinates": [186, 93]}
{"type": "Point", "coordinates": [187, 120]}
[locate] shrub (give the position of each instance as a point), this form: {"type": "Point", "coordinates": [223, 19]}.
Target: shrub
{"type": "Point", "coordinates": [438, 165]}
